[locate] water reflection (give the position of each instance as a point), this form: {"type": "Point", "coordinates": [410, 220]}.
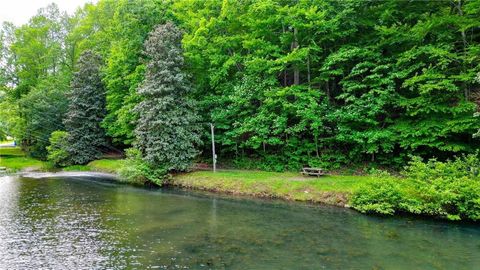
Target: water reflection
{"type": "Point", "coordinates": [46, 224]}
{"type": "Point", "coordinates": [77, 223]}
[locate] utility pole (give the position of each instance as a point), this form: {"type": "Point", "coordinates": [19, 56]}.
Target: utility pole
{"type": "Point", "coordinates": [214, 156]}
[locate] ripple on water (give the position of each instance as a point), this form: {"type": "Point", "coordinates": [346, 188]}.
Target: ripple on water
{"type": "Point", "coordinates": [75, 223]}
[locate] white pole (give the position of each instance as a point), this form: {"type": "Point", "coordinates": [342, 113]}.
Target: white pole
{"type": "Point", "coordinates": [214, 156]}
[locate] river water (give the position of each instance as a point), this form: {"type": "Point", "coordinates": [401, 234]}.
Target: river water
{"type": "Point", "coordinates": [84, 223]}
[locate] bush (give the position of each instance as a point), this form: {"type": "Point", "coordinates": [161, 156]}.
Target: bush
{"type": "Point", "coordinates": [57, 150]}
{"type": "Point", "coordinates": [378, 173]}
{"type": "Point", "coordinates": [448, 190]}
{"type": "Point", "coordinates": [136, 170]}
{"type": "Point", "coordinates": [383, 197]}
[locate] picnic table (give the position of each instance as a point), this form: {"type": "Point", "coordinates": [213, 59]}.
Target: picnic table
{"type": "Point", "coordinates": [313, 172]}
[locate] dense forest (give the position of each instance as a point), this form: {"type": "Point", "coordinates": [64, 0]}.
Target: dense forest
{"type": "Point", "coordinates": [286, 83]}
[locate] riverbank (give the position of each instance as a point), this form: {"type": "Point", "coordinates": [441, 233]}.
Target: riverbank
{"type": "Point", "coordinates": [15, 160]}
{"type": "Point", "coordinates": [330, 189]}
{"type": "Point", "coordinates": [446, 190]}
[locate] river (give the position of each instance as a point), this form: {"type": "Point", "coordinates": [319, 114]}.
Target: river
{"type": "Point", "coordinates": [86, 223]}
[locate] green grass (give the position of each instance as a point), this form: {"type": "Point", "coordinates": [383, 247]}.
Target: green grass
{"type": "Point", "coordinates": [101, 165]}
{"type": "Point", "coordinates": [77, 168]}
{"type": "Point", "coordinates": [14, 159]}
{"type": "Point", "coordinates": [106, 165]}
{"type": "Point", "coordinates": [330, 189]}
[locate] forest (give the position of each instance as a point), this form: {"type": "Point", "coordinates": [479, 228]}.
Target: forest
{"type": "Point", "coordinates": [382, 87]}
{"type": "Point", "coordinates": [286, 83]}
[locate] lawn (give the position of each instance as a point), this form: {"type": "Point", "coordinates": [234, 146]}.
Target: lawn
{"type": "Point", "coordinates": [330, 189]}
{"type": "Point", "coordinates": [101, 165]}
{"type": "Point", "coordinates": [14, 159]}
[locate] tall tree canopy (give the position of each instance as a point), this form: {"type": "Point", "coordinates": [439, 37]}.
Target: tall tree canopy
{"type": "Point", "coordinates": [35, 75]}
{"type": "Point", "coordinates": [334, 82]}
{"type": "Point", "coordinates": [286, 83]}
{"type": "Point", "coordinates": [86, 110]}
{"type": "Point", "coordinates": [167, 129]}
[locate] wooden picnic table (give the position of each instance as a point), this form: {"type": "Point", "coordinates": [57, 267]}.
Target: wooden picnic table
{"type": "Point", "coordinates": [313, 172]}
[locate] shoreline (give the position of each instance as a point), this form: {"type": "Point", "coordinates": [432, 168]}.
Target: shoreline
{"type": "Point", "coordinates": [38, 175]}
{"type": "Point", "coordinates": [376, 193]}
{"type": "Point", "coordinates": [331, 198]}
{"type": "Point", "coordinates": [183, 181]}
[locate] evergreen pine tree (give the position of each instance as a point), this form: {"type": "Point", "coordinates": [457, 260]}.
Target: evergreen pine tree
{"type": "Point", "coordinates": [86, 110]}
{"type": "Point", "coordinates": [167, 130]}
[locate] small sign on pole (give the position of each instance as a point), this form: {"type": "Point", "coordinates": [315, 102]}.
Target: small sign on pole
{"type": "Point", "coordinates": [214, 156]}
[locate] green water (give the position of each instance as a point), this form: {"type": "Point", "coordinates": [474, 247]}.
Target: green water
{"type": "Point", "coordinates": [78, 223]}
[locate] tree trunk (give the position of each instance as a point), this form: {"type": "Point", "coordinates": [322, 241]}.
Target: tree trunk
{"type": "Point", "coordinates": [296, 72]}
{"type": "Point", "coordinates": [459, 6]}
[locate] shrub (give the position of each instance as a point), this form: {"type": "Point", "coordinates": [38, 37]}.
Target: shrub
{"type": "Point", "coordinates": [448, 190]}
{"type": "Point", "coordinates": [378, 196]}
{"type": "Point", "coordinates": [136, 170]}
{"type": "Point", "coordinates": [378, 173]}
{"type": "Point", "coordinates": [57, 150]}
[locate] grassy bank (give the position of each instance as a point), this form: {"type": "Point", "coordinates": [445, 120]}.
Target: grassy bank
{"type": "Point", "coordinates": [332, 189]}
{"type": "Point", "coordinates": [14, 159]}
{"type": "Point", "coordinates": [101, 165]}
{"type": "Point", "coordinates": [448, 190]}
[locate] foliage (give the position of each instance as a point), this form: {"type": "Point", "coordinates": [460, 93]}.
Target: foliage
{"type": "Point", "coordinates": [136, 170]}
{"type": "Point", "coordinates": [58, 149]}
{"type": "Point", "coordinates": [124, 70]}
{"type": "Point", "coordinates": [86, 111]}
{"type": "Point", "coordinates": [286, 83]}
{"type": "Point", "coordinates": [34, 76]}
{"type": "Point", "coordinates": [448, 189]}
{"type": "Point", "coordinates": [167, 130]}
{"type": "Point", "coordinates": [42, 111]}
{"type": "Point", "coordinates": [376, 81]}
{"type": "Point", "coordinates": [383, 196]}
